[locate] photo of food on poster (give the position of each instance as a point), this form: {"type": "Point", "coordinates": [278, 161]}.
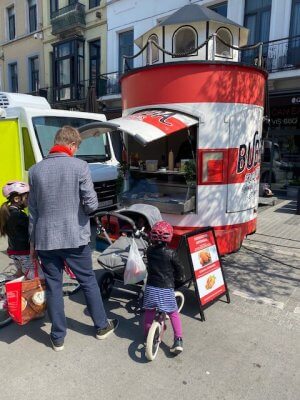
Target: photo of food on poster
{"type": "Point", "coordinates": [204, 257]}
{"type": "Point", "coordinates": [206, 266]}
{"type": "Point", "coordinates": [210, 286]}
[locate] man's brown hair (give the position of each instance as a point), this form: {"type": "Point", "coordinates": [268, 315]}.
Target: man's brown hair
{"type": "Point", "coordinates": [67, 135]}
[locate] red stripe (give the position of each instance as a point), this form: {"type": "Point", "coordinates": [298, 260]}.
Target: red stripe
{"type": "Point", "coordinates": [201, 158]}
{"type": "Point", "coordinates": [212, 295]}
{"type": "Point", "coordinates": [229, 237]}
{"type": "Point", "coordinates": [233, 175]}
{"type": "Point", "coordinates": [18, 252]}
{"type": "Point", "coordinates": [201, 241]}
{"type": "Point", "coordinates": [207, 270]}
{"type": "Point", "coordinates": [167, 125]}
{"type": "Point", "coordinates": [229, 166]}
{"type": "Point", "coordinates": [193, 83]}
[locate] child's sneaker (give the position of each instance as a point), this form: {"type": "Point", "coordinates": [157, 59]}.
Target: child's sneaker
{"type": "Point", "coordinates": [177, 347]}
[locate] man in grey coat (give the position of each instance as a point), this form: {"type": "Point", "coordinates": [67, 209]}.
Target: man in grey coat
{"type": "Point", "coordinates": [61, 198]}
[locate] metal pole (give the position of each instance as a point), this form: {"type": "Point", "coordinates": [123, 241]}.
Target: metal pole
{"type": "Point", "coordinates": [271, 160]}
{"type": "Point", "coordinates": [260, 54]}
{"type": "Point", "coordinates": [123, 65]}
{"type": "Point", "coordinates": [150, 52]}
{"type": "Point", "coordinates": [214, 46]}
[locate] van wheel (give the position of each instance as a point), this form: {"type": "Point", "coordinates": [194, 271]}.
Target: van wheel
{"type": "Point", "coordinates": [106, 284]}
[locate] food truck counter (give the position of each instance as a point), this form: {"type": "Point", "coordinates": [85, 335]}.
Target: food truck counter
{"type": "Point", "coordinates": [166, 190]}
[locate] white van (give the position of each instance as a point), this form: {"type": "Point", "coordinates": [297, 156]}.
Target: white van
{"type": "Point", "coordinates": [27, 128]}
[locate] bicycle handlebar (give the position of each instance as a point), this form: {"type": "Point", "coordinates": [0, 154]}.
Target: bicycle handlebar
{"type": "Point", "coordinates": [101, 214]}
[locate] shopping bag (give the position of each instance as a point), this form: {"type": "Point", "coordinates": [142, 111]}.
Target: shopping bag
{"type": "Point", "coordinates": [26, 299]}
{"type": "Point", "coordinates": [135, 270]}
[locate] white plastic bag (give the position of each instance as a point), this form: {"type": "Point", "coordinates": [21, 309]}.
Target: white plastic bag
{"type": "Point", "coordinates": [135, 270]}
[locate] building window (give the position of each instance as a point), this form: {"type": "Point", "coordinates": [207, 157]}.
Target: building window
{"type": "Point", "coordinates": [94, 3]}
{"type": "Point", "coordinates": [68, 63]}
{"type": "Point", "coordinates": [94, 63]}
{"type": "Point", "coordinates": [32, 14]}
{"type": "Point", "coordinates": [34, 74]}
{"type": "Point", "coordinates": [53, 6]}
{"type": "Point", "coordinates": [220, 8]}
{"type": "Point", "coordinates": [184, 40]}
{"type": "Point", "coordinates": [257, 20]}
{"type": "Point", "coordinates": [221, 49]}
{"type": "Point", "coordinates": [13, 77]}
{"type": "Point", "coordinates": [125, 49]}
{"type": "Point", "coordinates": [294, 43]}
{"type": "Point", "coordinates": [154, 50]}
{"type": "Point", "coordinates": [11, 23]}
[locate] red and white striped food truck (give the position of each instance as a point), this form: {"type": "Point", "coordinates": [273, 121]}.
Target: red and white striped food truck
{"type": "Point", "coordinates": [214, 108]}
{"type": "Point", "coordinates": [193, 121]}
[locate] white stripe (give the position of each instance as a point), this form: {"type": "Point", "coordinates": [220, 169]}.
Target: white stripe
{"type": "Point", "coordinates": [260, 299]}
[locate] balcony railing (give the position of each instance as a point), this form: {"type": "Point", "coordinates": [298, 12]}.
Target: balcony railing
{"type": "Point", "coordinates": [69, 19]}
{"type": "Point", "coordinates": [105, 85]}
{"type": "Point", "coordinates": [278, 55]}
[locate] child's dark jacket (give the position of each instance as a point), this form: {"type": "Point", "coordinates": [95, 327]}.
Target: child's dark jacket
{"type": "Point", "coordinates": [17, 232]}
{"type": "Point", "coordinates": [164, 267]}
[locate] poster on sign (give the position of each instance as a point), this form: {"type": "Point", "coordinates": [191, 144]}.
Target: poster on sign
{"type": "Point", "coordinates": [206, 267]}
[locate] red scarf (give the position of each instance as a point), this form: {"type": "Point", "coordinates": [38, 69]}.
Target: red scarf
{"type": "Point", "coordinates": [58, 148]}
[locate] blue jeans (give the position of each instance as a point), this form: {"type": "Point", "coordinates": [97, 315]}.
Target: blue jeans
{"type": "Point", "coordinates": [80, 262]}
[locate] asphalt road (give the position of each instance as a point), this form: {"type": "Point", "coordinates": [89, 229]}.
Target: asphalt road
{"type": "Point", "coordinates": [246, 350]}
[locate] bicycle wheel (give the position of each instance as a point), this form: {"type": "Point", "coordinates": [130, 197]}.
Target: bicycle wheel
{"type": "Point", "coordinates": [179, 300]}
{"type": "Point", "coordinates": [106, 284]}
{"type": "Point", "coordinates": [70, 285]}
{"type": "Point", "coordinates": [153, 341]}
{"type": "Point", "coordinates": [5, 319]}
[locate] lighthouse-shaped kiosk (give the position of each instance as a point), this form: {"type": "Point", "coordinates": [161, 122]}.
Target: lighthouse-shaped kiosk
{"type": "Point", "coordinates": [193, 122]}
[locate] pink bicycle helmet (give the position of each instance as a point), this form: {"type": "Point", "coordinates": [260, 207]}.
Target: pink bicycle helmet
{"type": "Point", "coordinates": [15, 187]}
{"type": "Point", "coordinates": [162, 231]}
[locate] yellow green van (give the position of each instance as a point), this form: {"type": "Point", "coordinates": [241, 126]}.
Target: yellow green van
{"type": "Point", "coordinates": [27, 128]}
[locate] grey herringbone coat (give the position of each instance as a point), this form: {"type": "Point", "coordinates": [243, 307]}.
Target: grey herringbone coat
{"type": "Point", "coordinates": [60, 199]}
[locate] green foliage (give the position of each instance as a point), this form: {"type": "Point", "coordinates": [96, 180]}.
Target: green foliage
{"type": "Point", "coordinates": [190, 171]}
{"type": "Point", "coordinates": [123, 168]}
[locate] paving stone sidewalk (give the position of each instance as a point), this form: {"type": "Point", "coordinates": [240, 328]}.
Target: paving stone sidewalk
{"type": "Point", "coordinates": [267, 267]}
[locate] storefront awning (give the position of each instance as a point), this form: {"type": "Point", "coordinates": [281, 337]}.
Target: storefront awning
{"type": "Point", "coordinates": [149, 125]}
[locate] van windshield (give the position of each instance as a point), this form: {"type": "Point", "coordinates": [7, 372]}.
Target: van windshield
{"type": "Point", "coordinates": [92, 149]}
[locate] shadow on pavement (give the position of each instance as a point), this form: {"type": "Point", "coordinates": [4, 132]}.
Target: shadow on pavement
{"type": "Point", "coordinates": [289, 208]}
{"type": "Point", "coordinates": [259, 276]}
{"type": "Point", "coordinates": [11, 333]}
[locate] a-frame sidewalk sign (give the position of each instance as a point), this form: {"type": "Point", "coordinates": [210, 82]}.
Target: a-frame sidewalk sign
{"type": "Point", "coordinates": [204, 267]}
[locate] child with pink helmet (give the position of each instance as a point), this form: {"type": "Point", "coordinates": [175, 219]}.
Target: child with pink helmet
{"type": "Point", "coordinates": [164, 269]}
{"type": "Point", "coordinates": [14, 224]}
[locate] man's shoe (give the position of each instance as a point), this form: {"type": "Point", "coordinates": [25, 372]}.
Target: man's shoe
{"type": "Point", "coordinates": [177, 347]}
{"type": "Point", "coordinates": [57, 345]}
{"type": "Point", "coordinates": [105, 332]}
